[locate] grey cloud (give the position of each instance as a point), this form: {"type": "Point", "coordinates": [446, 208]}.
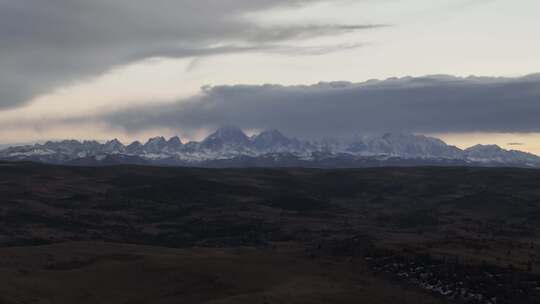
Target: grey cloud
{"type": "Point", "coordinates": [425, 105]}
{"type": "Point", "coordinates": [302, 32]}
{"type": "Point", "coordinates": [48, 43]}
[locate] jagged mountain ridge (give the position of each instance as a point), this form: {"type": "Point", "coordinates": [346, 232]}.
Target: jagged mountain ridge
{"type": "Point", "coordinates": [230, 146]}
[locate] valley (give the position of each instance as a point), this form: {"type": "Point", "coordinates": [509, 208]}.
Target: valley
{"type": "Point", "coordinates": [439, 232]}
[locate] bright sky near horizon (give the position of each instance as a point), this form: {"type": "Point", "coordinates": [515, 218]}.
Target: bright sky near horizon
{"type": "Point", "coordinates": [76, 62]}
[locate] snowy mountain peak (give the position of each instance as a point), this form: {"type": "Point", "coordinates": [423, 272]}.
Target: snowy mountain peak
{"type": "Point", "coordinates": [269, 138]}
{"type": "Point", "coordinates": [156, 140]}
{"type": "Point", "coordinates": [484, 149]}
{"type": "Point", "coordinates": [135, 144]}
{"type": "Point", "coordinates": [496, 154]}
{"type": "Point", "coordinates": [155, 145]}
{"type": "Point", "coordinates": [113, 146]}
{"type": "Point", "coordinates": [225, 136]}
{"type": "Point", "coordinates": [114, 142]}
{"type": "Point", "coordinates": [134, 147]}
{"type": "Point", "coordinates": [90, 143]}
{"type": "Point", "coordinates": [230, 133]}
{"type": "Point", "coordinates": [175, 141]}
{"type": "Point", "coordinates": [412, 145]}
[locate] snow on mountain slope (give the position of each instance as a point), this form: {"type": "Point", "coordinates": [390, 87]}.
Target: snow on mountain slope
{"type": "Point", "coordinates": [408, 145]}
{"type": "Point", "coordinates": [271, 146]}
{"type": "Point", "coordinates": [494, 153]}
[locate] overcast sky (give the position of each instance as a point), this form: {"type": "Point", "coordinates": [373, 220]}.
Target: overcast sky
{"type": "Point", "coordinates": [135, 68]}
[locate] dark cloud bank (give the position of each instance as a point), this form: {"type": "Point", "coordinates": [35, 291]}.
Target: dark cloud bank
{"type": "Point", "coordinates": [424, 105]}
{"type": "Point", "coordinates": [45, 44]}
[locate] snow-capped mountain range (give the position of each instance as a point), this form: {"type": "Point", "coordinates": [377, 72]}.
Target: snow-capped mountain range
{"type": "Point", "coordinates": [231, 147]}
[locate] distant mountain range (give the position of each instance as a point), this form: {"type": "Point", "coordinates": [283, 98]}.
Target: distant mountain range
{"type": "Point", "coordinates": [231, 147]}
